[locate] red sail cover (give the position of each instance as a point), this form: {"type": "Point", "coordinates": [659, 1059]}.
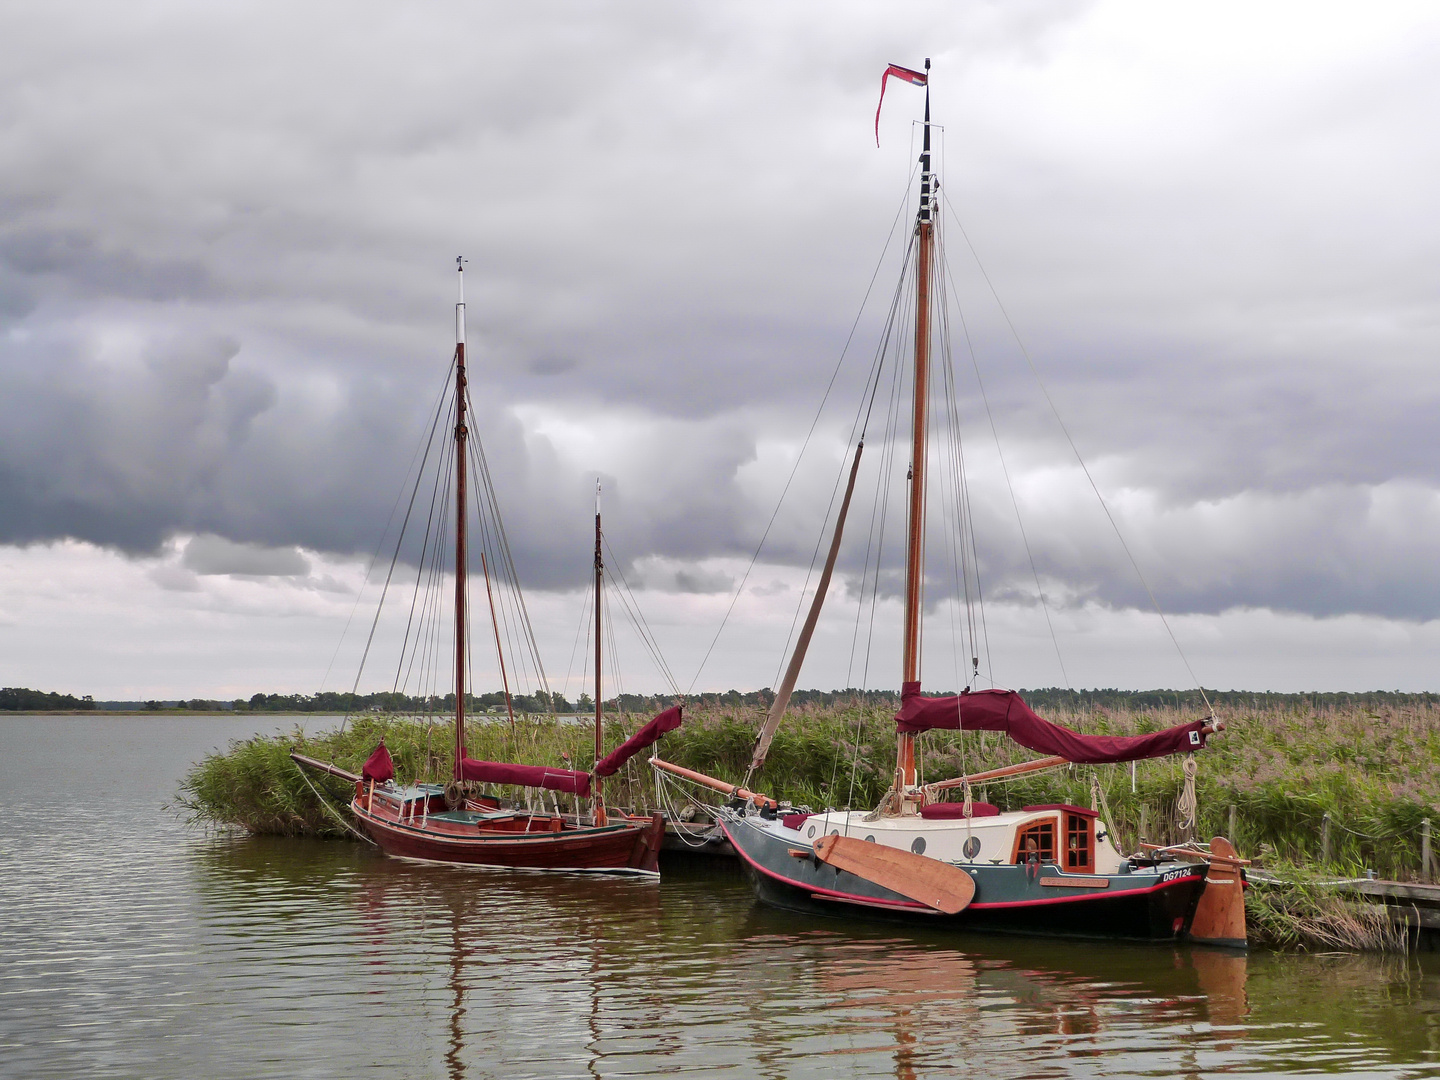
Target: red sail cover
{"type": "Point", "coordinates": [610, 764]}
{"type": "Point", "coordinates": [378, 766]}
{"type": "Point", "coordinates": [1002, 710]}
{"type": "Point", "coordinates": [499, 772]}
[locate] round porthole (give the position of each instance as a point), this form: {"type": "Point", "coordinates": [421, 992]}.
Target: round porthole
{"type": "Point", "coordinates": [810, 831]}
{"type": "Point", "coordinates": [870, 839]}
{"type": "Point", "coordinates": [918, 847]}
{"type": "Point", "coordinates": [972, 847]}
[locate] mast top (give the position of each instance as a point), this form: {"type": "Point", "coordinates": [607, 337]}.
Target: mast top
{"type": "Point", "coordinates": [927, 185]}
{"type": "Point", "coordinates": [460, 305]}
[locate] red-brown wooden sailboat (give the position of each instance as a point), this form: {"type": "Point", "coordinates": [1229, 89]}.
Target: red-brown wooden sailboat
{"type": "Point", "coordinates": [1040, 869]}
{"type": "Point", "coordinates": [454, 823]}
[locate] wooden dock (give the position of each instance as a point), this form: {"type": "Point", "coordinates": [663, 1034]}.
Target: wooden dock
{"type": "Point", "coordinates": [1409, 904]}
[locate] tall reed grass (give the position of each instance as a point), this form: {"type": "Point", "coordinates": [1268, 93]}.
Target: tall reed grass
{"type": "Point", "coordinates": [1377, 774]}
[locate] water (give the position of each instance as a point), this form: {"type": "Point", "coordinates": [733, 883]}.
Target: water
{"type": "Point", "coordinates": [136, 947]}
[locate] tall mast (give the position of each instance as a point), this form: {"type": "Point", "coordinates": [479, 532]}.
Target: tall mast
{"type": "Point", "coordinates": [599, 802]}
{"type": "Point", "coordinates": [461, 552]}
{"type": "Point", "coordinates": [905, 777]}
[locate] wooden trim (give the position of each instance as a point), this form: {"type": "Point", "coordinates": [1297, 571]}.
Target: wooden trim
{"type": "Point", "coordinates": [1020, 830]}
{"type": "Point", "coordinates": [1087, 833]}
{"type": "Point", "coordinates": [1076, 882]}
{"type": "Point", "coordinates": [995, 774]}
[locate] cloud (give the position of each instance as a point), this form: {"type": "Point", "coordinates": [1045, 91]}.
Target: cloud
{"type": "Point", "coordinates": [226, 278]}
{"type": "Point", "coordinates": [216, 555]}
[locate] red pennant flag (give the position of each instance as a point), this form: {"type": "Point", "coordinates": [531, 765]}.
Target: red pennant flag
{"type": "Point", "coordinates": [914, 78]}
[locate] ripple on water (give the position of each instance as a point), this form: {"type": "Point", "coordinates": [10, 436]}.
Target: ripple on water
{"type": "Point", "coordinates": [138, 948]}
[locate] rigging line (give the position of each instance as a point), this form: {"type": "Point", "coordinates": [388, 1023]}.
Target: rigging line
{"type": "Point", "coordinates": [494, 534]}
{"type": "Point", "coordinates": [886, 458]}
{"type": "Point", "coordinates": [1076, 451]}
{"type": "Point", "coordinates": [950, 507]}
{"type": "Point", "coordinates": [810, 572]}
{"type": "Point", "coordinates": [818, 413]}
{"type": "Point", "coordinates": [570, 667]}
{"type": "Point", "coordinates": [637, 615]}
{"type": "Point", "coordinates": [436, 521]}
{"type": "Point", "coordinates": [616, 677]}
{"type": "Point", "coordinates": [632, 605]}
{"type": "Point", "coordinates": [886, 477]}
{"type": "Point", "coordinates": [420, 563]}
{"type": "Point", "coordinates": [860, 424]}
{"type": "Point", "coordinates": [509, 558]}
{"type": "Point", "coordinates": [503, 605]}
{"type": "Point", "coordinates": [1014, 500]}
{"type": "Point", "coordinates": [398, 541]}
{"type": "Point", "coordinates": [424, 442]}
{"type": "Point", "coordinates": [637, 619]}
{"type": "Point", "coordinates": [439, 626]}
{"type": "Point", "coordinates": [969, 564]}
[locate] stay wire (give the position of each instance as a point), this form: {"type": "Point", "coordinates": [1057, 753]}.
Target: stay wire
{"type": "Point", "coordinates": [1076, 451]}
{"type": "Point", "coordinates": [423, 443]}
{"type": "Point", "coordinates": [1014, 500]}
{"type": "Point", "coordinates": [829, 386]}
{"type": "Point", "coordinates": [404, 524]}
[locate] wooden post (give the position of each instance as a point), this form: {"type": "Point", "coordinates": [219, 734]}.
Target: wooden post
{"type": "Point", "coordinates": [1425, 849]}
{"type": "Point", "coordinates": [1231, 835]}
{"type": "Point", "coordinates": [1325, 838]}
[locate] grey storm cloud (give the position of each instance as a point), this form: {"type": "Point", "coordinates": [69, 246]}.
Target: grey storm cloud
{"type": "Point", "coordinates": [226, 237]}
{"type": "Point", "coordinates": [216, 555]}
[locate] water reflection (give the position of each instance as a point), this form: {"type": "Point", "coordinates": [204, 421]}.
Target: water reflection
{"type": "Point", "coordinates": [531, 974]}
{"type": "Point", "coordinates": [136, 948]}
{"type": "Point", "coordinates": [513, 974]}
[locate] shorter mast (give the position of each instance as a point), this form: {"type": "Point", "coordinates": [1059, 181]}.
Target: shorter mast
{"type": "Point", "coordinates": [460, 523]}
{"type": "Point", "coordinates": [598, 801]}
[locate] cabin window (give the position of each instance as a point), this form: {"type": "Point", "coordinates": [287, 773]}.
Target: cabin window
{"type": "Point", "coordinates": [1037, 840]}
{"type": "Point", "coordinates": [1079, 846]}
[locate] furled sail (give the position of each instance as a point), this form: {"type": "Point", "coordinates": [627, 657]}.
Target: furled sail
{"type": "Point", "coordinates": [499, 772]}
{"type": "Point", "coordinates": [610, 764]}
{"type": "Point", "coordinates": [378, 766]}
{"type": "Point", "coordinates": [1003, 710]}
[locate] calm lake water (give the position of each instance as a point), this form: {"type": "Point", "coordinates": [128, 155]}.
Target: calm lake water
{"type": "Point", "coordinates": [134, 946]}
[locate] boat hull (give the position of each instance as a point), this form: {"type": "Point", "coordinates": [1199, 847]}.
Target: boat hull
{"type": "Point", "coordinates": [1036, 899]}
{"type": "Point", "coordinates": [539, 842]}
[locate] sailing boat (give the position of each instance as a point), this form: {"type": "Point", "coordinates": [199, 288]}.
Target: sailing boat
{"type": "Point", "coordinates": [453, 823]}
{"type": "Point", "coordinates": [1044, 868]}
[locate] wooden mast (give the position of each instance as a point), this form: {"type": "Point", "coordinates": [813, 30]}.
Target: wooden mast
{"type": "Point", "coordinates": [460, 522]}
{"type": "Point", "coordinates": [598, 799]}
{"type": "Point", "coordinates": [905, 777]}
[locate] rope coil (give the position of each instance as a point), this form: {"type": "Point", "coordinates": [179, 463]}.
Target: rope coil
{"type": "Point", "coordinates": [1186, 806]}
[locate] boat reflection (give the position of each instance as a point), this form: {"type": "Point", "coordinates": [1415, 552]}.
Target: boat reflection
{"type": "Point", "coordinates": [480, 973]}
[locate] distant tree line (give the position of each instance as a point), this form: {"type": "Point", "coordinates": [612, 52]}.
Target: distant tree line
{"type": "Point", "coordinates": [15, 699]}
{"type": "Point", "coordinates": [18, 699]}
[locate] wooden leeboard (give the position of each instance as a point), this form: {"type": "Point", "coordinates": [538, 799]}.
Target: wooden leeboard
{"type": "Point", "coordinates": [1220, 915]}
{"type": "Point", "coordinates": [923, 879]}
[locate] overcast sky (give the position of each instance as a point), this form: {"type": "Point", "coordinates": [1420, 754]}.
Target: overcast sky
{"type": "Point", "coordinates": [227, 242]}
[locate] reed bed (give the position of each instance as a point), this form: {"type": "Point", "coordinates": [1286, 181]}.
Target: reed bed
{"type": "Point", "coordinates": [1374, 771]}
{"type": "Point", "coordinates": [1377, 774]}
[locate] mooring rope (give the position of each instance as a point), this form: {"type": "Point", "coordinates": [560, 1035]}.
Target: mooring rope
{"type": "Point", "coordinates": [343, 823]}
